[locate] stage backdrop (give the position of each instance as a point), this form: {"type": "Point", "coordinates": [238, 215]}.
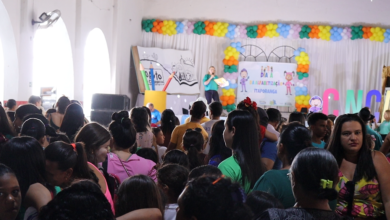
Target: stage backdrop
{"type": "Point", "coordinates": [267, 83]}
{"type": "Point", "coordinates": [164, 62]}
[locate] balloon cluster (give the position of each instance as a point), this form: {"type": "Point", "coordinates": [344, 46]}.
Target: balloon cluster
{"type": "Point", "coordinates": [199, 28]}
{"type": "Point", "coordinates": [271, 30]}
{"type": "Point", "coordinates": [378, 34]}
{"type": "Point", "coordinates": [230, 62]}
{"type": "Point", "coordinates": [147, 25]}
{"type": "Point", "coordinates": [209, 27]}
{"type": "Point", "coordinates": [261, 30]}
{"type": "Point", "coordinates": [367, 32]}
{"type": "Point", "coordinates": [179, 27]}
{"type": "Point", "coordinates": [357, 32]}
{"type": "Point", "coordinates": [169, 28]}
{"type": "Point", "coordinates": [301, 92]}
{"type": "Point", "coordinates": [157, 26]}
{"type": "Point", "coordinates": [325, 32]}
{"type": "Point", "coordinates": [240, 32]}
{"type": "Point", "coordinates": [283, 30]}
{"type": "Point", "coordinates": [387, 36]}
{"type": "Point", "coordinates": [290, 31]}
{"type": "Point", "coordinates": [336, 34]}
{"type": "Point", "coordinates": [231, 31]}
{"type": "Point", "coordinates": [251, 31]}
{"type": "Point", "coordinates": [188, 26]}
{"type": "Point", "coordinates": [347, 33]}
{"type": "Point", "coordinates": [305, 32]}
{"type": "Point", "coordinates": [294, 31]}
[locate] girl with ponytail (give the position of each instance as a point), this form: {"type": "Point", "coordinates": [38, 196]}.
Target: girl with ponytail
{"type": "Point", "coordinates": [67, 163]}
{"type": "Point", "coordinates": [193, 143]}
{"type": "Point", "coordinates": [120, 161]}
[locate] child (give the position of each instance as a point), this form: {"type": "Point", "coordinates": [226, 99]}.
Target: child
{"type": "Point", "coordinates": [384, 127]}
{"type": "Point", "coordinates": [10, 193]}
{"type": "Point", "coordinates": [160, 139]}
{"type": "Point", "coordinates": [172, 179]}
{"type": "Point", "coordinates": [193, 143]}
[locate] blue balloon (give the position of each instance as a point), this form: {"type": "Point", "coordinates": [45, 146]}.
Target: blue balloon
{"type": "Point", "coordinates": [233, 86]}
{"type": "Point", "coordinates": [296, 53]}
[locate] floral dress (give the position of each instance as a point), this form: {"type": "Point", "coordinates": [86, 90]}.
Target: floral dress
{"type": "Point", "coordinates": [367, 201]}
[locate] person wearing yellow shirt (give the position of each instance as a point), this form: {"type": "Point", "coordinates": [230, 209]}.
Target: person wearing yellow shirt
{"type": "Point", "coordinates": [197, 112]}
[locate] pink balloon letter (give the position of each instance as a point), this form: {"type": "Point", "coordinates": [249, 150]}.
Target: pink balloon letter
{"type": "Point", "coordinates": [325, 108]}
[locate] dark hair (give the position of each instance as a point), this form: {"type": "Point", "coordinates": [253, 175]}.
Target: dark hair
{"type": "Point", "coordinates": [25, 156]}
{"type": "Point", "coordinates": [26, 109]}
{"type": "Point", "coordinates": [156, 131]}
{"type": "Point", "coordinates": [193, 142]}
{"type": "Point", "coordinates": [310, 166]}
{"type": "Point", "coordinates": [313, 118]}
{"type": "Point", "coordinates": [149, 113]}
{"type": "Point", "coordinates": [198, 109]}
{"type": "Point", "coordinates": [259, 201]}
{"type": "Point", "coordinates": [365, 165]}
{"type": "Point", "coordinates": [246, 145]}
{"type": "Point", "coordinates": [68, 157]}
{"type": "Point", "coordinates": [297, 116]}
{"type": "Point", "coordinates": [148, 153]}
{"type": "Point", "coordinates": [280, 125]}
{"type": "Point", "coordinates": [174, 176]}
{"type": "Point", "coordinates": [274, 115]}
{"type": "Point", "coordinates": [217, 144]}
{"type": "Point", "coordinates": [34, 128]}
{"type": "Point", "coordinates": [93, 135]}
{"type": "Point", "coordinates": [176, 157]}
{"type": "Point", "coordinates": [216, 108]}
{"type": "Point", "coordinates": [205, 170]}
{"type": "Point", "coordinates": [51, 110]}
{"type": "Point", "coordinates": [263, 116]}
{"type": "Point", "coordinates": [60, 137]}
{"type": "Point", "coordinates": [295, 138]}
{"type": "Point", "coordinates": [11, 103]}
{"type": "Point", "coordinates": [241, 105]}
{"type": "Point", "coordinates": [168, 121]}
{"type": "Point", "coordinates": [81, 201]}
{"type": "Point", "coordinates": [4, 169]}
{"type": "Point", "coordinates": [5, 124]}
{"type": "Point", "coordinates": [216, 198]}
{"type": "Point", "coordinates": [73, 120]}
{"type": "Point", "coordinates": [332, 117]}
{"type": "Point", "coordinates": [138, 192]}
{"type": "Point", "coordinates": [34, 99]}
{"type": "Point", "coordinates": [75, 101]}
{"type": "Point", "coordinates": [62, 103]}
{"type": "Point", "coordinates": [177, 122]}
{"type": "Point", "coordinates": [49, 130]}
{"type": "Point", "coordinates": [139, 116]}
{"type": "Point", "coordinates": [122, 130]}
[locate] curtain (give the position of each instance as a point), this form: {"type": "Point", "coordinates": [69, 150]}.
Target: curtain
{"type": "Point", "coordinates": [344, 65]}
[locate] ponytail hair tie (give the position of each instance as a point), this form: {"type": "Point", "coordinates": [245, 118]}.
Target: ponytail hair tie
{"type": "Point", "coordinates": [122, 119]}
{"type": "Point", "coordinates": [74, 146]}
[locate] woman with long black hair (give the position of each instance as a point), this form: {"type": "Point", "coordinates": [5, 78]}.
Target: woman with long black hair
{"type": "Point", "coordinates": [364, 185]}
{"type": "Point", "coordinates": [242, 136]}
{"type": "Point", "coordinates": [168, 123]}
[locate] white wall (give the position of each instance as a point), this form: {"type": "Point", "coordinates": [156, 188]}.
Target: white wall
{"type": "Point", "coordinates": [118, 19]}
{"type": "Point", "coordinates": [334, 12]}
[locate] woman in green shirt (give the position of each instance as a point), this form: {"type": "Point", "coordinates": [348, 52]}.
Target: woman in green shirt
{"type": "Point", "coordinates": [210, 86]}
{"type": "Point", "coordinates": [242, 136]}
{"type": "Point", "coordinates": [276, 182]}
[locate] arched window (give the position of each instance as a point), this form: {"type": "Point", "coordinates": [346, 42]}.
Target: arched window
{"type": "Point", "coordinates": [53, 63]}
{"type": "Point", "coordinates": [96, 67]}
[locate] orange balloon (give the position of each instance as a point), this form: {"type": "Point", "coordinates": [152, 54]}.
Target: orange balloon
{"type": "Point", "coordinates": [206, 22]}
{"type": "Point", "coordinates": [230, 63]}
{"type": "Point", "coordinates": [235, 62]}
{"type": "Point", "coordinates": [224, 103]}
{"type": "Point", "coordinates": [230, 102]}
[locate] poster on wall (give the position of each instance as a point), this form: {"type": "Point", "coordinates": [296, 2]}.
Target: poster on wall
{"type": "Point", "coordinates": [267, 83]}
{"type": "Point", "coordinates": [164, 62]}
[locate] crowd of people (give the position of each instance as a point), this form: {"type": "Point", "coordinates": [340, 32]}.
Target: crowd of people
{"type": "Point", "coordinates": [55, 164]}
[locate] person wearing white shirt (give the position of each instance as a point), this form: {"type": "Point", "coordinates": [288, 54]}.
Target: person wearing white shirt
{"type": "Point", "coordinates": [215, 111]}
{"type": "Point", "coordinates": [274, 118]}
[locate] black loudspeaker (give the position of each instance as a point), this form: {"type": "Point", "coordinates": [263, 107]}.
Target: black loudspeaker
{"type": "Point", "coordinates": [110, 102]}
{"type": "Point", "coordinates": [104, 105]}
{"type": "Point", "coordinates": [102, 117]}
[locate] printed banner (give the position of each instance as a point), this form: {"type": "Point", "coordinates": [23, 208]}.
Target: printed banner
{"type": "Point", "coordinates": [267, 83]}
{"type": "Point", "coordinates": [164, 62]}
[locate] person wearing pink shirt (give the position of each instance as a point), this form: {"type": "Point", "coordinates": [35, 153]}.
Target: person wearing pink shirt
{"type": "Point", "coordinates": [120, 161]}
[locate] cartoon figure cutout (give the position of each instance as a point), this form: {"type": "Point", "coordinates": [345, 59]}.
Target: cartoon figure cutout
{"type": "Point", "coordinates": [289, 77]}
{"type": "Point", "coordinates": [244, 78]}
{"type": "Point", "coordinates": [262, 73]}
{"type": "Point", "coordinates": [272, 74]}
{"type": "Point", "coordinates": [316, 104]}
